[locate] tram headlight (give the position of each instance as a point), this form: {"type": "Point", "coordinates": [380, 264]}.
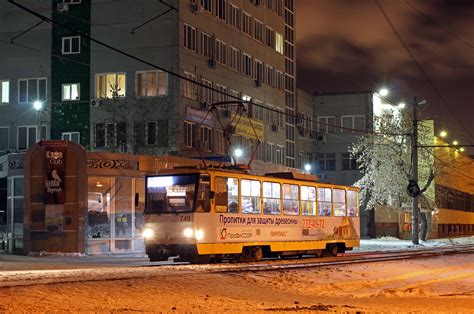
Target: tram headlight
{"type": "Point", "coordinates": [148, 233]}
{"type": "Point", "coordinates": [199, 234]}
{"type": "Point", "coordinates": [188, 232]}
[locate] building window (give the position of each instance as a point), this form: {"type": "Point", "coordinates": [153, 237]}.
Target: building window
{"type": "Point", "coordinates": [206, 5]}
{"type": "Point", "coordinates": [326, 124]}
{"type": "Point", "coordinates": [247, 23]}
{"type": "Point", "coordinates": [269, 152]}
{"type": "Point", "coordinates": [71, 92]}
{"type": "Point", "coordinates": [221, 52]}
{"type": "Point", "coordinates": [219, 142]}
{"type": "Point", "coordinates": [259, 71]}
{"type": "Point", "coordinates": [280, 154]}
{"type": "Point", "coordinates": [221, 95]}
{"type": "Point", "coordinates": [327, 162]}
{"type": "Point", "coordinates": [349, 162]}
{"type": "Point", "coordinates": [110, 134]}
{"type": "Point", "coordinates": [258, 31]}
{"type": "Point", "coordinates": [31, 90]}
{"type": "Point", "coordinates": [189, 134]}
{"type": "Point", "coordinates": [5, 91]}
{"type": "Point", "coordinates": [280, 80]}
{"type": "Point", "coordinates": [205, 137]}
{"type": "Point", "coordinates": [189, 88]}
{"type": "Point", "coordinates": [4, 138]}
{"type": "Point", "coordinates": [257, 110]}
{"type": "Point", "coordinates": [27, 136]}
{"type": "Point", "coordinates": [351, 124]}
{"type": "Point", "coordinates": [234, 17]}
{"type": "Point", "coordinates": [71, 136]}
{"type": "Point", "coordinates": [71, 45]}
{"type": "Point", "coordinates": [152, 84]}
{"type": "Point", "coordinates": [270, 37]}
{"type": "Point", "coordinates": [151, 132]}
{"type": "Point", "coordinates": [221, 6]}
{"type": "Point", "coordinates": [235, 59]}
{"type": "Point", "coordinates": [206, 45]}
{"type": "Point", "coordinates": [279, 43]}
{"type": "Point", "coordinates": [110, 85]}
{"type": "Point", "coordinates": [269, 75]}
{"type": "Point", "coordinates": [206, 94]}
{"type": "Point", "coordinates": [247, 64]}
{"type": "Point", "coordinates": [189, 37]}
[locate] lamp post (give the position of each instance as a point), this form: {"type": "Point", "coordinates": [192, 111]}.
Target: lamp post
{"type": "Point", "coordinates": [38, 106]}
{"type": "Point", "coordinates": [307, 168]}
{"type": "Point", "coordinates": [238, 153]}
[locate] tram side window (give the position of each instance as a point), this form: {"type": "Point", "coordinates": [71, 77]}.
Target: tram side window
{"type": "Point", "coordinates": [324, 201]}
{"type": "Point", "coordinates": [271, 198]}
{"type": "Point", "coordinates": [290, 199]}
{"type": "Point", "coordinates": [352, 205]}
{"type": "Point", "coordinates": [308, 201]}
{"type": "Point", "coordinates": [250, 194]}
{"type": "Point", "coordinates": [226, 195]}
{"type": "Point", "coordinates": [339, 197]}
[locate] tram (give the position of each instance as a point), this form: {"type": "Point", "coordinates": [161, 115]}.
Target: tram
{"type": "Point", "coordinates": [211, 214]}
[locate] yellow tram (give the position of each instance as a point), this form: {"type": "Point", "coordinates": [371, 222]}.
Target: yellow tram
{"type": "Point", "coordinates": [210, 214]}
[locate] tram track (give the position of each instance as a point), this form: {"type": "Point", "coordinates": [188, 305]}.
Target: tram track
{"type": "Point", "coordinates": [349, 258]}
{"type": "Point", "coordinates": [147, 270]}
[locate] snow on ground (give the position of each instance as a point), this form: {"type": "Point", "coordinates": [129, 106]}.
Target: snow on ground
{"type": "Point", "coordinates": [393, 244]}
{"type": "Point", "coordinates": [438, 285]}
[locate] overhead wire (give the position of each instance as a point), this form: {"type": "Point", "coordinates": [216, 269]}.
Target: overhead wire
{"type": "Point", "coordinates": [182, 77]}
{"type": "Point", "coordinates": [418, 65]}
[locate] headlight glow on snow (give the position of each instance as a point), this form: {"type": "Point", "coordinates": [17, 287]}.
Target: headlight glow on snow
{"type": "Point", "coordinates": [148, 233]}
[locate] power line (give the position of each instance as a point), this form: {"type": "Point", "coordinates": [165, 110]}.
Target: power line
{"type": "Point", "coordinates": [439, 25]}
{"type": "Point", "coordinates": [419, 66]}
{"type": "Point", "coordinates": [119, 51]}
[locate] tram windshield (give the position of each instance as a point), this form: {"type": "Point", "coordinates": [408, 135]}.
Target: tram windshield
{"type": "Point", "coordinates": [170, 194]}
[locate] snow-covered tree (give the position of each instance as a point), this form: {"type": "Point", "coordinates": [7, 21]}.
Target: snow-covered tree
{"type": "Point", "coordinates": [384, 157]}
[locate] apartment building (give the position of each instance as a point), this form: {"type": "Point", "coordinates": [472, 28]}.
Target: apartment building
{"type": "Point", "coordinates": [151, 93]}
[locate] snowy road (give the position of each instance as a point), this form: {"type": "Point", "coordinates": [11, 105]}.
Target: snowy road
{"type": "Point", "coordinates": [439, 284]}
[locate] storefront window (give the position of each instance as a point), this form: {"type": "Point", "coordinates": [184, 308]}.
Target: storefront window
{"type": "Point", "coordinates": [123, 208]}
{"type": "Point", "coordinates": [98, 213]}
{"type": "Point", "coordinates": [139, 218]}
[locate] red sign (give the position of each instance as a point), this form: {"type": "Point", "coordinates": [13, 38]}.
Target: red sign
{"type": "Point", "coordinates": [55, 153]}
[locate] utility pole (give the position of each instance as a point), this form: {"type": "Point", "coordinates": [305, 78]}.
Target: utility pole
{"type": "Point", "coordinates": [414, 174]}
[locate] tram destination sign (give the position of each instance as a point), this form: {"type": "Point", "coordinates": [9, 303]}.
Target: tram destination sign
{"type": "Point", "coordinates": [55, 162]}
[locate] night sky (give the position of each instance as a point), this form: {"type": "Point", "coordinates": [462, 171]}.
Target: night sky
{"type": "Point", "coordinates": [348, 45]}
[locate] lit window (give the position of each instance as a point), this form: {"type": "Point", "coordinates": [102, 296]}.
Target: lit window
{"type": "Point", "coordinates": [324, 202]}
{"type": "Point", "coordinates": [5, 92]}
{"type": "Point", "coordinates": [352, 203]}
{"type": "Point", "coordinates": [152, 84]}
{"type": "Point", "coordinates": [279, 43]}
{"type": "Point", "coordinates": [110, 85]}
{"type": "Point", "coordinates": [271, 198]}
{"type": "Point", "coordinates": [339, 199]}
{"type": "Point", "coordinates": [71, 92]}
{"type": "Point", "coordinates": [71, 45]}
{"type": "Point", "coordinates": [189, 88]}
{"type": "Point", "coordinates": [290, 199]}
{"type": "Point", "coordinates": [308, 200]}
{"type": "Point", "coordinates": [250, 196]}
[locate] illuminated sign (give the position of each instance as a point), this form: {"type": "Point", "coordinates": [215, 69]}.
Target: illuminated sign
{"type": "Point", "coordinates": [247, 129]}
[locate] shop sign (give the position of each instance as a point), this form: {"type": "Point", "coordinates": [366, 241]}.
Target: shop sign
{"type": "Point", "coordinates": [199, 116]}
{"type": "Point", "coordinates": [55, 160]}
{"type": "Point", "coordinates": [246, 129]}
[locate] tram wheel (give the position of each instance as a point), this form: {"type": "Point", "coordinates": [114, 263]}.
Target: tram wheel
{"type": "Point", "coordinates": [257, 253]}
{"type": "Point", "coordinates": [333, 249]}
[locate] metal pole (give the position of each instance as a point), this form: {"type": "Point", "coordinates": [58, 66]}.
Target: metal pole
{"type": "Point", "coordinates": [414, 173]}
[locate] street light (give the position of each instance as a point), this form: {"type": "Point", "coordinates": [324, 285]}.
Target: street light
{"type": "Point", "coordinates": [238, 152]}
{"type": "Point", "coordinates": [383, 92]}
{"type": "Point", "coordinates": [38, 106]}
{"type": "Point", "coordinates": [402, 105]}
{"type": "Point", "coordinates": [307, 167]}
{"type": "Point", "coordinates": [443, 134]}
{"type": "Point", "coordinates": [455, 143]}
{"type": "Point", "coordinates": [461, 149]}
